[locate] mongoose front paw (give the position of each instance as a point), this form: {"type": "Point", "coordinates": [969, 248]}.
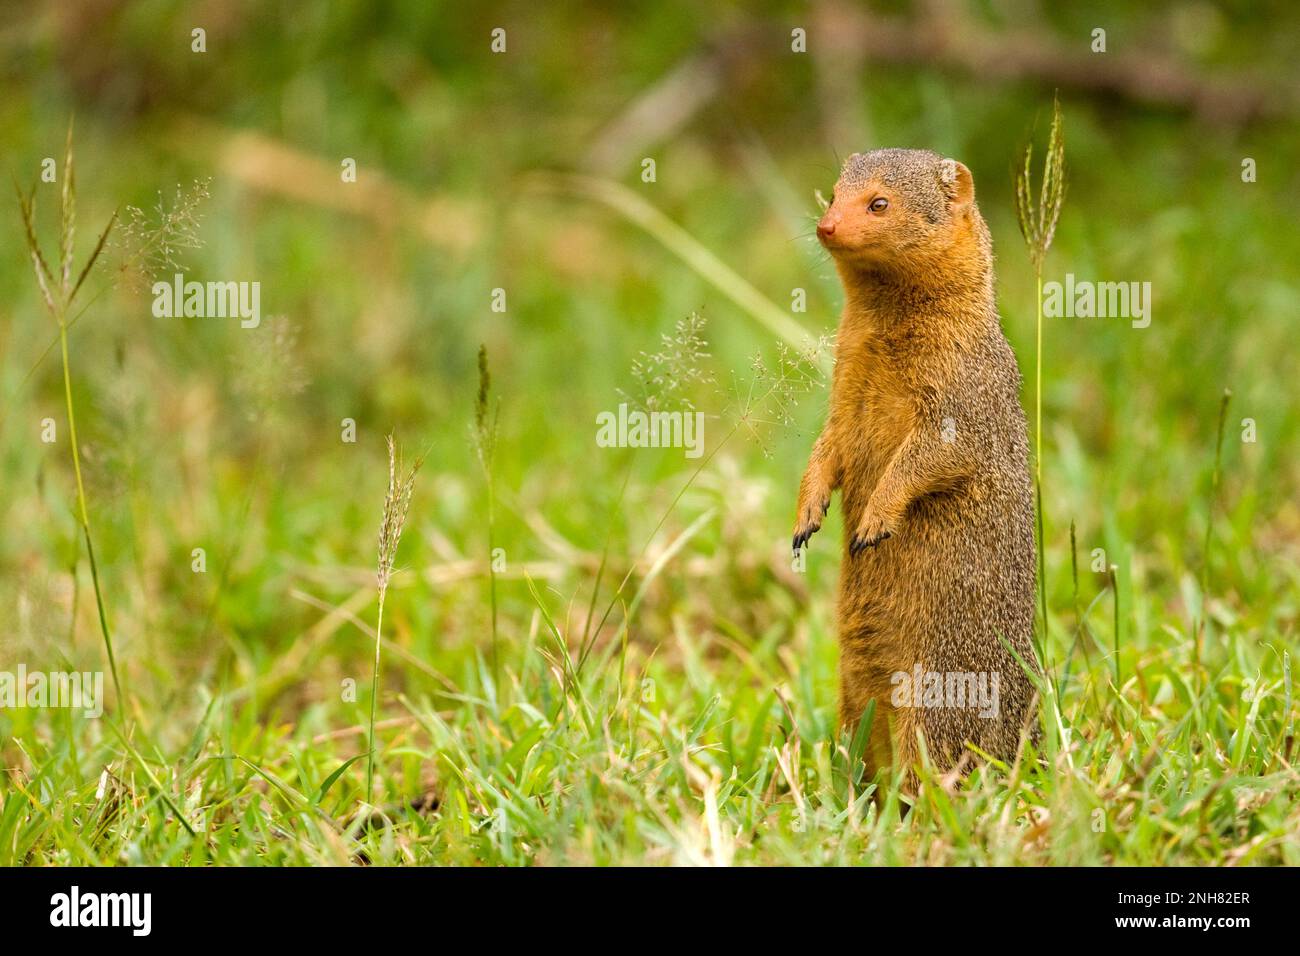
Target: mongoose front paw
{"type": "Point", "coordinates": [871, 531]}
{"type": "Point", "coordinates": [809, 522]}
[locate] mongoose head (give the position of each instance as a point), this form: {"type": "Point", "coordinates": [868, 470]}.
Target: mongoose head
{"type": "Point", "coordinates": [904, 211]}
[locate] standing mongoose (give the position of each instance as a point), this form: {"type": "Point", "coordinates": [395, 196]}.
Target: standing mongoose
{"type": "Point", "coordinates": [926, 441]}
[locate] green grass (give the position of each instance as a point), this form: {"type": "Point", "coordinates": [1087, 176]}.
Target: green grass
{"type": "Point", "coordinates": [698, 723]}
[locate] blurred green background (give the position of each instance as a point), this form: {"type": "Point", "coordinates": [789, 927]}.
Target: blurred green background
{"type": "Point", "coordinates": [377, 294]}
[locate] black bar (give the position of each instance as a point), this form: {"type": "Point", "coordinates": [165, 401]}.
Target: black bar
{"type": "Point", "coordinates": [335, 906]}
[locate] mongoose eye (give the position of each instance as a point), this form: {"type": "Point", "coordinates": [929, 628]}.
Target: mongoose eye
{"type": "Point", "coordinates": [879, 204]}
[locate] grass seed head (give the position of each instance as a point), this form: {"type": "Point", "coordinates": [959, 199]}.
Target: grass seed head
{"type": "Point", "coordinates": [68, 218]}
{"type": "Point", "coordinates": [150, 244]}
{"type": "Point", "coordinates": [768, 400]}
{"type": "Point", "coordinates": [484, 432]}
{"type": "Point", "coordinates": [397, 503]}
{"type": "Point", "coordinates": [666, 377]}
{"type": "Point", "coordinates": [1038, 220]}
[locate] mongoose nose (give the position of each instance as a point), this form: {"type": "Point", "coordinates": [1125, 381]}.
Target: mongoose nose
{"type": "Point", "coordinates": [825, 228]}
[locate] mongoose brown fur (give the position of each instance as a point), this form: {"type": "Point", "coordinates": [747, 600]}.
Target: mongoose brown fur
{"type": "Point", "coordinates": [926, 441]}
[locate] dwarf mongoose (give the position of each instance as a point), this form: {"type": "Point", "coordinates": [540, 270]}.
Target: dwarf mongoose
{"type": "Point", "coordinates": [926, 441]}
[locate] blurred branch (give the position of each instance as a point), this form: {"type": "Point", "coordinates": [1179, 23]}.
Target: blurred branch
{"type": "Point", "coordinates": [941, 39]}
{"type": "Point", "coordinates": [659, 112]}
{"type": "Point", "coordinates": [844, 38]}
{"type": "Point", "coordinates": [837, 72]}
{"type": "Point", "coordinates": [272, 166]}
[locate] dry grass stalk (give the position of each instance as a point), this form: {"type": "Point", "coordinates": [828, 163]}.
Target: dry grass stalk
{"type": "Point", "coordinates": [397, 503]}
{"type": "Point", "coordinates": [1038, 226]}
{"type": "Point", "coordinates": [58, 294]}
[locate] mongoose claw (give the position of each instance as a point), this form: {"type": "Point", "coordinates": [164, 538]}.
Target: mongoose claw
{"type": "Point", "coordinates": [863, 541]}
{"type": "Point", "coordinates": [809, 524]}
{"type": "Point", "coordinates": [872, 529]}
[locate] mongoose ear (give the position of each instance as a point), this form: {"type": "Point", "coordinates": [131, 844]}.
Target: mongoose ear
{"type": "Point", "coordinates": [957, 182]}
